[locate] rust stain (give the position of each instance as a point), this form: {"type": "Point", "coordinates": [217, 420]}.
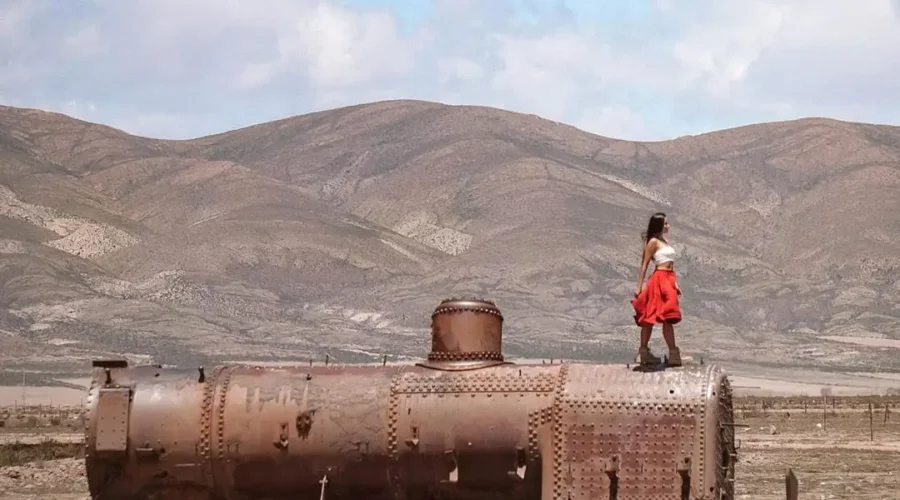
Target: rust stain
{"type": "Point", "coordinates": [304, 423]}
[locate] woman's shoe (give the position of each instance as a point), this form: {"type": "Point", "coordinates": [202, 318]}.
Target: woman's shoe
{"type": "Point", "coordinates": [674, 357]}
{"type": "Point", "coordinates": [645, 357]}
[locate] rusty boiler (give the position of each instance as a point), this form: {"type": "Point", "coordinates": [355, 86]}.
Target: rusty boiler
{"type": "Point", "coordinates": [464, 423]}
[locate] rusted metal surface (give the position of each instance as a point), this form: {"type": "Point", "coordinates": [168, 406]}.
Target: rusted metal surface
{"type": "Point", "coordinates": [445, 430]}
{"type": "Point", "coordinates": [164, 434]}
{"type": "Point", "coordinates": [113, 404]}
{"type": "Point", "coordinates": [485, 446]}
{"type": "Point", "coordinates": [302, 426]}
{"type": "Point", "coordinates": [648, 435]}
{"type": "Point", "coordinates": [466, 334]}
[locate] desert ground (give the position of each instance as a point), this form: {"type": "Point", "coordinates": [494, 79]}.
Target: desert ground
{"type": "Point", "coordinates": [836, 450]}
{"type": "Point", "coordinates": [831, 452]}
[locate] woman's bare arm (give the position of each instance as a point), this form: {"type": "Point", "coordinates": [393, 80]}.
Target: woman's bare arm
{"type": "Point", "coordinates": [649, 248]}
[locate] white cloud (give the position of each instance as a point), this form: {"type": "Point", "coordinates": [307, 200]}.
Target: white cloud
{"type": "Point", "coordinates": [255, 75]}
{"type": "Point", "coordinates": [613, 121]}
{"type": "Point", "coordinates": [84, 43]}
{"type": "Point", "coordinates": [794, 54]}
{"type": "Point", "coordinates": [459, 68]}
{"type": "Point", "coordinates": [337, 47]}
{"type": "Point", "coordinates": [14, 15]}
{"type": "Point", "coordinates": [173, 68]}
{"type": "Point", "coordinates": [718, 55]}
{"type": "Point", "coordinates": [79, 109]}
{"type": "Point", "coordinates": [538, 71]}
{"type": "Point", "coordinates": [178, 125]}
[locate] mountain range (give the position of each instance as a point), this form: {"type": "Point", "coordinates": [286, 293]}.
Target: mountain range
{"type": "Point", "coordinates": [338, 232]}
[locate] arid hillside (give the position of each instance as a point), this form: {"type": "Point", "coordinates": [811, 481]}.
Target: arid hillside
{"type": "Point", "coordinates": [337, 232]}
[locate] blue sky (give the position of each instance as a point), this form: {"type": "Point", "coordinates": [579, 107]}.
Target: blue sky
{"type": "Point", "coordinates": [631, 69]}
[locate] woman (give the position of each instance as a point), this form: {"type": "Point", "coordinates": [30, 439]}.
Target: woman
{"type": "Point", "coordinates": [657, 303]}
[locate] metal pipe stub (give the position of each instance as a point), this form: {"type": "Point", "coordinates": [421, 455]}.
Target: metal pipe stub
{"type": "Point", "coordinates": [466, 334]}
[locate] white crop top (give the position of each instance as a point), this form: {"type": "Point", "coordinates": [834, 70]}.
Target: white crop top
{"type": "Point", "coordinates": [664, 254]}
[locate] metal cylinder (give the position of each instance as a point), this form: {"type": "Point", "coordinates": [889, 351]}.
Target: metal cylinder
{"type": "Point", "coordinates": [465, 334]}
{"type": "Point", "coordinates": [308, 428]}
{"type": "Point", "coordinates": [265, 433]}
{"type": "Point", "coordinates": [514, 431]}
{"type": "Point", "coordinates": [143, 432]}
{"type": "Point", "coordinates": [510, 431]}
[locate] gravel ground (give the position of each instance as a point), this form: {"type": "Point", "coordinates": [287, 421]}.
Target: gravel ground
{"type": "Point", "coordinates": [62, 479]}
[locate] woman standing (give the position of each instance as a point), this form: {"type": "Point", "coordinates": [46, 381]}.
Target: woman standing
{"type": "Point", "coordinates": [657, 303]}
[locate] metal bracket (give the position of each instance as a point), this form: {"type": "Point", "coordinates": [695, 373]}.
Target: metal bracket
{"type": "Point", "coordinates": [110, 363]}
{"type": "Point", "coordinates": [282, 442]}
{"type": "Point", "coordinates": [612, 472]}
{"type": "Point", "coordinates": [684, 470]}
{"type": "Point", "coordinates": [147, 453]}
{"type": "Point", "coordinates": [304, 423]}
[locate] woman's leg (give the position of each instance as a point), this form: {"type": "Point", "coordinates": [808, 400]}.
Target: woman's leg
{"type": "Point", "coordinates": [646, 332]}
{"type": "Point", "coordinates": [645, 357]}
{"type": "Point", "coordinates": [669, 335]}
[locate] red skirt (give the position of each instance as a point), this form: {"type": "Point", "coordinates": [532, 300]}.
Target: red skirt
{"type": "Point", "coordinates": [658, 301]}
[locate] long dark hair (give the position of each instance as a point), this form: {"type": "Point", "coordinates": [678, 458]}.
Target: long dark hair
{"type": "Point", "coordinates": [654, 227]}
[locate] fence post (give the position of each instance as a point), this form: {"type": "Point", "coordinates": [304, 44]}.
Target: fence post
{"type": "Point", "coordinates": [790, 485]}
{"type": "Point", "coordinates": [871, 431]}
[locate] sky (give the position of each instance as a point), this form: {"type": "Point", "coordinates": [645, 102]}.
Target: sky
{"type": "Point", "coordinates": [629, 69]}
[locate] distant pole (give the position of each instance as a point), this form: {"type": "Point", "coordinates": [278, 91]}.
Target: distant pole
{"type": "Point", "coordinates": [871, 430]}
{"type": "Point", "coordinates": [824, 412]}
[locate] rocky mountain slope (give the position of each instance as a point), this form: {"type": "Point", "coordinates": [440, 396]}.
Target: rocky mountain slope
{"type": "Point", "coordinates": [337, 232]}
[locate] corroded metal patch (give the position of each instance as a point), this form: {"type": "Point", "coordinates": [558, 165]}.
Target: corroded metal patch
{"type": "Point", "coordinates": [204, 446]}
{"type": "Point", "coordinates": [498, 380]}
{"type": "Point", "coordinates": [90, 424]}
{"type": "Point", "coordinates": [112, 416]}
{"type": "Point", "coordinates": [393, 455]}
{"type": "Point", "coordinates": [636, 445]}
{"type": "Point", "coordinates": [537, 420]}
{"type": "Point", "coordinates": [466, 356]}
{"type": "Point", "coordinates": [621, 384]}
{"type": "Point", "coordinates": [495, 445]}
{"type": "Point", "coordinates": [726, 450]}
{"type": "Point", "coordinates": [463, 305]}
{"type": "Point", "coordinates": [648, 448]}
{"type": "Point", "coordinates": [220, 462]}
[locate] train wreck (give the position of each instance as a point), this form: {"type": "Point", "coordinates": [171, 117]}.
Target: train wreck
{"type": "Point", "coordinates": [463, 423]}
